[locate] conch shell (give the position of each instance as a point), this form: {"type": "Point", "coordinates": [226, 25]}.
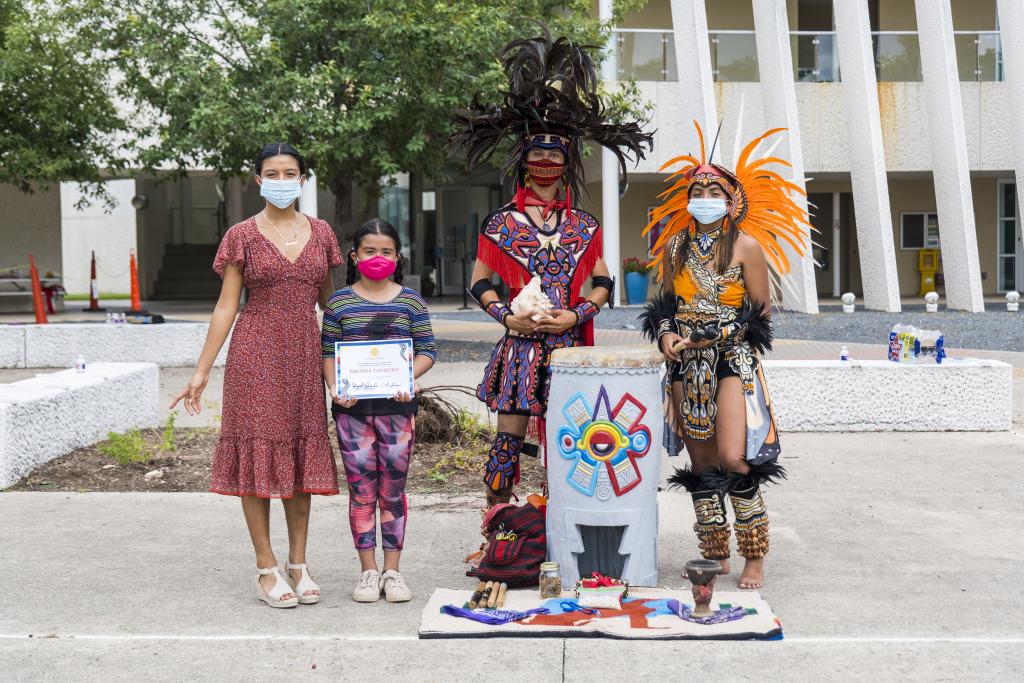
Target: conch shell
{"type": "Point", "coordinates": [533, 301]}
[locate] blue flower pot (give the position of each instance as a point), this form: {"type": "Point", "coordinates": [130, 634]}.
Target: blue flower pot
{"type": "Point", "coordinates": [636, 288]}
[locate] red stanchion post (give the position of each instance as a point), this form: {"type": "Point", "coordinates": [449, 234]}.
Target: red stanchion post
{"type": "Point", "coordinates": [38, 304]}
{"type": "Point", "coordinates": [136, 298]}
{"type": "Point", "coordinates": [94, 287]}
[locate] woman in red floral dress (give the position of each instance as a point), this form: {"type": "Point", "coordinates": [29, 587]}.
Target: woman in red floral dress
{"type": "Point", "coordinates": [274, 438]}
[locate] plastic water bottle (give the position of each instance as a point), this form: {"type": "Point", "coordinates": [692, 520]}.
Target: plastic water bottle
{"type": "Point", "coordinates": [80, 363]}
{"type": "Point", "coordinates": [844, 353]}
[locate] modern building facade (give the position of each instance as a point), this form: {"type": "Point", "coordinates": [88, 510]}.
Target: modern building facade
{"type": "Point", "coordinates": [905, 124]}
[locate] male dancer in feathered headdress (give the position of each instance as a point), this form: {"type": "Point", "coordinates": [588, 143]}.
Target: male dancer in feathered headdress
{"type": "Point", "coordinates": [550, 107]}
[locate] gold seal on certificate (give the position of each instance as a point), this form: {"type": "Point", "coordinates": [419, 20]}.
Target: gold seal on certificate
{"type": "Point", "coordinates": [373, 369]}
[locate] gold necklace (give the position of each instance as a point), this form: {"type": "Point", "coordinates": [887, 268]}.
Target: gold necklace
{"type": "Point", "coordinates": [295, 235]}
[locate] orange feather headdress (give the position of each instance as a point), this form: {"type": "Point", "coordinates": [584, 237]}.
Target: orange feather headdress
{"type": "Point", "coordinates": [762, 201]}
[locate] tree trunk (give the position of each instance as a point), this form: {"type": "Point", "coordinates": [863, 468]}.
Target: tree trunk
{"type": "Point", "coordinates": [344, 221]}
{"type": "Point", "coordinates": [371, 195]}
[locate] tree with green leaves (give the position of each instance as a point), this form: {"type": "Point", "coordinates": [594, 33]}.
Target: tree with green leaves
{"type": "Point", "coordinates": [365, 88]}
{"type": "Point", "coordinates": [57, 121]}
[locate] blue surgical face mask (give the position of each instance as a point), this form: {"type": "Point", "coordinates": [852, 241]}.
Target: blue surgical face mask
{"type": "Point", "coordinates": [280, 193]}
{"type": "Point", "coordinates": [706, 210]}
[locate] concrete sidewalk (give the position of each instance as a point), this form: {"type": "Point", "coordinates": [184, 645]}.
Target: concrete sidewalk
{"type": "Point", "coordinates": [895, 556]}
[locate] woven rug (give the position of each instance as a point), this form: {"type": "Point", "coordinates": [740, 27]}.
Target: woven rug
{"type": "Point", "coordinates": [645, 616]}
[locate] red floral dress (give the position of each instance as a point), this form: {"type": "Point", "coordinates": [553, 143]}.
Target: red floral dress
{"type": "Point", "coordinates": [273, 438]}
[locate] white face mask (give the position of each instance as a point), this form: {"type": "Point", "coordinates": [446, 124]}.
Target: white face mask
{"type": "Point", "coordinates": [280, 193]}
{"type": "Point", "coordinates": [707, 210]}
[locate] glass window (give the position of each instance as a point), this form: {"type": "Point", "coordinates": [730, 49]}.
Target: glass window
{"type": "Point", "coordinates": [1007, 273]}
{"type": "Point", "coordinates": [919, 231]}
{"type": "Point", "coordinates": [1008, 209]}
{"type": "Point", "coordinates": [1007, 240]}
{"type": "Point", "coordinates": [734, 56]}
{"type": "Point", "coordinates": [912, 231]}
{"type": "Point", "coordinates": [897, 57]}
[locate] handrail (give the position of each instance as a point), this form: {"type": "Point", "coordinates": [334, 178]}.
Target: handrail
{"type": "Point", "coordinates": [641, 30]}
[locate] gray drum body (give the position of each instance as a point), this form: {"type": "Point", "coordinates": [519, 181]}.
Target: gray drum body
{"type": "Point", "coordinates": [604, 436]}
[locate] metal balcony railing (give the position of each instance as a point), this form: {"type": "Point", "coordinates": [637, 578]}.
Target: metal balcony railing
{"type": "Point", "coordinates": [979, 55]}
{"type": "Point", "coordinates": [649, 55]}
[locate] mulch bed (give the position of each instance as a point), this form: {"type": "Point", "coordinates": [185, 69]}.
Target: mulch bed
{"type": "Point", "coordinates": [446, 460]}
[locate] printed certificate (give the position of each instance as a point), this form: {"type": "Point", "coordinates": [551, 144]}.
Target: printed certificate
{"type": "Point", "coordinates": [373, 369]}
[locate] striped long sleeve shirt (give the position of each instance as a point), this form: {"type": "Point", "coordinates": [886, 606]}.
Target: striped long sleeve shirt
{"type": "Point", "coordinates": [350, 317]}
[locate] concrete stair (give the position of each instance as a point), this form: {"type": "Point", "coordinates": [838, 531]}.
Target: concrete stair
{"type": "Point", "coordinates": [187, 273]}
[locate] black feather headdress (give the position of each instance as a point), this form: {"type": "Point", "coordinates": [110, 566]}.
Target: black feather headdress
{"type": "Point", "coordinates": [552, 88]}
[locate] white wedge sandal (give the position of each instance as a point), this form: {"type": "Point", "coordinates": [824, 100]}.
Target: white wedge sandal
{"type": "Point", "coordinates": [281, 587]}
{"type": "Point", "coordinates": [305, 583]}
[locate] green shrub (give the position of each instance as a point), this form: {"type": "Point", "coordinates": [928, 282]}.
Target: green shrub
{"type": "Point", "coordinates": [125, 448]}
{"type": "Point", "coordinates": [167, 441]}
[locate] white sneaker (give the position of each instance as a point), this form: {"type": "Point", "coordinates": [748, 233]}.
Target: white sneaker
{"type": "Point", "coordinates": [368, 589]}
{"type": "Point", "coordinates": [394, 587]}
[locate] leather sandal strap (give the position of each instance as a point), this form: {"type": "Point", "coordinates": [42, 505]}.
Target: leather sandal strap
{"type": "Point", "coordinates": [305, 582]}
{"type": "Point", "coordinates": [281, 587]}
{"type": "Point", "coordinates": [296, 566]}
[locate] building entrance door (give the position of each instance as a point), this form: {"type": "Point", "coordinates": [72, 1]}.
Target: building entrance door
{"type": "Point", "coordinates": [1010, 248]}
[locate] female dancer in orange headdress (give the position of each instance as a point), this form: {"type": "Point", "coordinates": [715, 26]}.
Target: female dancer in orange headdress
{"type": "Point", "coordinates": [712, 320]}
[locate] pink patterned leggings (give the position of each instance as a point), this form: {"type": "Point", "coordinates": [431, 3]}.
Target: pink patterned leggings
{"type": "Point", "coordinates": [376, 450]}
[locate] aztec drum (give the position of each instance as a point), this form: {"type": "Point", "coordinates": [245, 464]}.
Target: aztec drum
{"type": "Point", "coordinates": [604, 436]}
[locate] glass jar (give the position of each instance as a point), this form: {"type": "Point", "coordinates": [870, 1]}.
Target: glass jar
{"type": "Point", "coordinates": [550, 581]}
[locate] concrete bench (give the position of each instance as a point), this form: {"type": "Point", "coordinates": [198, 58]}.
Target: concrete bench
{"type": "Point", "coordinates": [868, 396]}
{"type": "Point", "coordinates": [57, 345]}
{"type": "Point", "coordinates": [50, 415]}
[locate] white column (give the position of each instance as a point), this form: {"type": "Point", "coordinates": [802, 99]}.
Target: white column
{"type": "Point", "coordinates": [953, 198]}
{"type": "Point", "coordinates": [1011, 30]}
{"type": "Point", "coordinates": [693, 64]}
{"type": "Point", "coordinates": [867, 156]}
{"type": "Point", "coordinates": [778, 92]}
{"type": "Point", "coordinates": [610, 172]}
{"type": "Point", "coordinates": [110, 232]}
{"type": "Point", "coordinates": [307, 202]}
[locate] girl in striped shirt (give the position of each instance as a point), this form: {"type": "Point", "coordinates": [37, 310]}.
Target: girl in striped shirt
{"type": "Point", "coordinates": [376, 436]}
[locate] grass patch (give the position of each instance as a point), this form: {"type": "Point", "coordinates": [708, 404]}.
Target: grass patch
{"type": "Point", "coordinates": [103, 295]}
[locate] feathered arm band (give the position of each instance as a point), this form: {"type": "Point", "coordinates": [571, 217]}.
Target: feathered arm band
{"type": "Point", "coordinates": [657, 319]}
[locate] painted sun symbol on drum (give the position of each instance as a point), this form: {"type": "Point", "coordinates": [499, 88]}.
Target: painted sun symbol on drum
{"type": "Point", "coordinates": [604, 436]}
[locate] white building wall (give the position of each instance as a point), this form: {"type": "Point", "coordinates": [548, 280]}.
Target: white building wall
{"type": "Point", "coordinates": [110, 232]}
{"type": "Point", "coordinates": [902, 109]}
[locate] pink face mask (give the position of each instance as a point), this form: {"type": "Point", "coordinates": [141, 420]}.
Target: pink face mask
{"type": "Point", "coordinates": [376, 267]}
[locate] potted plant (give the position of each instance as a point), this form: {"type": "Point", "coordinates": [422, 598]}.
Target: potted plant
{"type": "Point", "coordinates": [636, 279]}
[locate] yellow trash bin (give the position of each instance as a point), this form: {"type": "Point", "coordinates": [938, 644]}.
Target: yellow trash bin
{"type": "Point", "coordinates": [928, 264]}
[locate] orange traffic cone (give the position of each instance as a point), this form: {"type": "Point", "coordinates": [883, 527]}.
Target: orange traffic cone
{"type": "Point", "coordinates": [38, 304]}
{"type": "Point", "coordinates": [94, 287]}
{"type": "Point", "coordinates": [136, 298]}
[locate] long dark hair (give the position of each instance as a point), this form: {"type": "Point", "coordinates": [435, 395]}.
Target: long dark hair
{"type": "Point", "coordinates": [374, 226]}
{"type": "Point", "coordinates": [276, 149]}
